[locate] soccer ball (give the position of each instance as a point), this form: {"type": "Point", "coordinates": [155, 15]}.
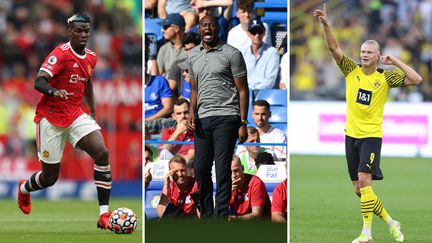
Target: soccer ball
{"type": "Point", "coordinates": [123, 221]}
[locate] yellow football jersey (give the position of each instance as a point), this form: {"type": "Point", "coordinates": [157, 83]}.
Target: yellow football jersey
{"type": "Point", "coordinates": [365, 98]}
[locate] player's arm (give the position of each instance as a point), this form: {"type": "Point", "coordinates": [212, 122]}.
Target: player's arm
{"type": "Point", "coordinates": [164, 199]}
{"type": "Point", "coordinates": [257, 211]}
{"type": "Point", "coordinates": [180, 128]}
{"type": "Point", "coordinates": [89, 96]}
{"type": "Point", "coordinates": [41, 85]}
{"type": "Point", "coordinates": [243, 90]}
{"type": "Point", "coordinates": [411, 76]}
{"type": "Point", "coordinates": [330, 38]}
{"type": "Point", "coordinates": [278, 217]}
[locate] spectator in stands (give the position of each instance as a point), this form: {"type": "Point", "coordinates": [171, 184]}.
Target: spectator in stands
{"type": "Point", "coordinates": [262, 60]}
{"type": "Point", "coordinates": [237, 36]}
{"type": "Point", "coordinates": [264, 158]}
{"type": "Point", "coordinates": [148, 157]}
{"type": "Point", "coordinates": [248, 153]}
{"type": "Point", "coordinates": [221, 9]}
{"type": "Point", "coordinates": [181, 7]}
{"type": "Point", "coordinates": [280, 203]}
{"type": "Point", "coordinates": [249, 197]}
{"type": "Point", "coordinates": [187, 88]}
{"type": "Point", "coordinates": [261, 114]}
{"type": "Point", "coordinates": [173, 31]}
{"type": "Point", "coordinates": [158, 101]}
{"type": "Point", "coordinates": [284, 67]}
{"type": "Point", "coordinates": [175, 74]}
{"type": "Point", "coordinates": [176, 195]}
{"type": "Point", "coordinates": [179, 133]}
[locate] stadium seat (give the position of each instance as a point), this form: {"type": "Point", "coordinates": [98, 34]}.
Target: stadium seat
{"type": "Point", "coordinates": [278, 114]}
{"type": "Point", "coordinates": [151, 197]}
{"type": "Point", "coordinates": [275, 97]}
{"type": "Point", "coordinates": [152, 25]}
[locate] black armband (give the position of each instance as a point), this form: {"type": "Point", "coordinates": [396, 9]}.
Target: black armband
{"type": "Point", "coordinates": [41, 84]}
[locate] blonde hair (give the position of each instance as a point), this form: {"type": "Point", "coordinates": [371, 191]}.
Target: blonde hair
{"type": "Point", "coordinates": [177, 159]}
{"type": "Point", "coordinates": [373, 42]}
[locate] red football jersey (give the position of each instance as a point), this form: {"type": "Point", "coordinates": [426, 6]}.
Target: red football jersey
{"type": "Point", "coordinates": [280, 198]}
{"type": "Point", "coordinates": [69, 71]}
{"type": "Point", "coordinates": [183, 200]}
{"type": "Point", "coordinates": [253, 194]}
{"type": "Point", "coordinates": [179, 148]}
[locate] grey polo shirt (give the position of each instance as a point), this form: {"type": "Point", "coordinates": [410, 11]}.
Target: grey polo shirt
{"type": "Point", "coordinates": [167, 55]}
{"type": "Point", "coordinates": [214, 71]}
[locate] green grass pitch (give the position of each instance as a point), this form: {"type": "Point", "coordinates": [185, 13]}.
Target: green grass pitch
{"type": "Point", "coordinates": [324, 207]}
{"type": "Point", "coordinates": [63, 221]}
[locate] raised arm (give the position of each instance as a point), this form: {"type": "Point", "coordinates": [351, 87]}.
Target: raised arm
{"type": "Point", "coordinates": [330, 38]}
{"type": "Point", "coordinates": [411, 78]}
{"type": "Point", "coordinates": [161, 8]}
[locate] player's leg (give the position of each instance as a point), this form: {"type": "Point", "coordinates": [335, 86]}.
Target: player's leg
{"type": "Point", "coordinates": [352, 154]}
{"type": "Point", "coordinates": [93, 144]}
{"type": "Point", "coordinates": [50, 142]}
{"type": "Point", "coordinates": [203, 161]}
{"type": "Point", "coordinates": [224, 136]}
{"type": "Point", "coordinates": [370, 165]}
{"type": "Point", "coordinates": [85, 134]}
{"type": "Point", "coordinates": [353, 160]}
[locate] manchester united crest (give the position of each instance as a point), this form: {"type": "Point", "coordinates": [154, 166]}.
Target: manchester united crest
{"type": "Point", "coordinates": [45, 154]}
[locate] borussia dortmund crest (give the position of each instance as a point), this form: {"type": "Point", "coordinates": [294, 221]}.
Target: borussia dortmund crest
{"type": "Point", "coordinates": [377, 83]}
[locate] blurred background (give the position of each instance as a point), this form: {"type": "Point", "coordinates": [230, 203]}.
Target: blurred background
{"type": "Point", "coordinates": [29, 31]}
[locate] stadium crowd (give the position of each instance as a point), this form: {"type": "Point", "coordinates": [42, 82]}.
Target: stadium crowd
{"type": "Point", "coordinates": [403, 29]}
{"type": "Point", "coordinates": [29, 30]}
{"type": "Point", "coordinates": [167, 93]}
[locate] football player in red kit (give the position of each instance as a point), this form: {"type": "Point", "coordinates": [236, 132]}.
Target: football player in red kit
{"type": "Point", "coordinates": [64, 79]}
{"type": "Point", "coordinates": [249, 197]}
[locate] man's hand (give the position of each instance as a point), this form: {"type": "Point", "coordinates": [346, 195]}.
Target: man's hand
{"type": "Point", "coordinates": [321, 14]}
{"type": "Point", "coordinates": [182, 126]}
{"type": "Point", "coordinates": [387, 60]}
{"type": "Point", "coordinates": [62, 94]}
{"type": "Point", "coordinates": [168, 177]}
{"type": "Point", "coordinates": [147, 177]}
{"type": "Point", "coordinates": [236, 183]}
{"type": "Point", "coordinates": [191, 121]}
{"type": "Point", "coordinates": [242, 134]}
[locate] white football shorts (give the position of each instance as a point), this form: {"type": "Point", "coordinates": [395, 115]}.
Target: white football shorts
{"type": "Point", "coordinates": [51, 140]}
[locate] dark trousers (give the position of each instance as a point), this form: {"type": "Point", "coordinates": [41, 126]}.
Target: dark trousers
{"type": "Point", "coordinates": [215, 139]}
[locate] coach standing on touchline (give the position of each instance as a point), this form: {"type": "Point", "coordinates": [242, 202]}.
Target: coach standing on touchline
{"type": "Point", "coordinates": [220, 97]}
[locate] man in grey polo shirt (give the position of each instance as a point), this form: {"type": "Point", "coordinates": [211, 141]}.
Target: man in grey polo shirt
{"type": "Point", "coordinates": [173, 29]}
{"type": "Point", "coordinates": [219, 105]}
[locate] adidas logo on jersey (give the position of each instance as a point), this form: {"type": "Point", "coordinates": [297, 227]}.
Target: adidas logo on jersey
{"type": "Point", "coordinates": [75, 65]}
